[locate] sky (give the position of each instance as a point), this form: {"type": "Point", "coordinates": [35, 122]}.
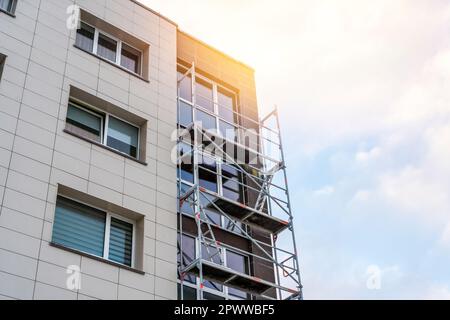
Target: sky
{"type": "Point", "coordinates": [363, 89]}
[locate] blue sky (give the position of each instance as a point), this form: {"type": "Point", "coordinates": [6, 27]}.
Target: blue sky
{"type": "Point", "coordinates": [363, 89]}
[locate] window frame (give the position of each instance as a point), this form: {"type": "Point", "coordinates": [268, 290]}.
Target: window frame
{"type": "Point", "coordinates": [119, 42]}
{"type": "Point", "coordinates": [105, 124]}
{"type": "Point", "coordinates": [12, 11]}
{"type": "Point", "coordinates": [223, 250]}
{"type": "Point", "coordinates": [215, 96]}
{"type": "Point", "coordinates": [106, 236]}
{"type": "Point", "coordinates": [2, 64]}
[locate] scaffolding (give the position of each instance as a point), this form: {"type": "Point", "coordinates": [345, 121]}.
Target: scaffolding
{"type": "Point", "coordinates": [262, 171]}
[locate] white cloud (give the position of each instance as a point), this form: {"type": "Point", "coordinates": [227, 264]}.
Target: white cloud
{"type": "Point", "coordinates": [437, 292]}
{"type": "Point", "coordinates": [364, 157]}
{"type": "Point", "coordinates": [325, 191]}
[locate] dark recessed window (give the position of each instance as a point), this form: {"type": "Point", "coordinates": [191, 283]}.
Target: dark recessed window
{"type": "Point", "coordinates": [238, 263]}
{"type": "Point", "coordinates": [188, 203]}
{"type": "Point", "coordinates": [189, 254]}
{"type": "Point", "coordinates": [231, 183]}
{"type": "Point", "coordinates": [189, 293]}
{"type": "Point", "coordinates": [95, 41]}
{"type": "Point", "coordinates": [85, 122]}
{"type": "Point", "coordinates": [207, 173]}
{"type": "Point", "coordinates": [130, 58]}
{"type": "Point", "coordinates": [81, 227]}
{"type": "Point", "coordinates": [8, 6]}
{"type": "Point", "coordinates": [186, 159]}
{"type": "Point", "coordinates": [107, 47]}
{"type": "Point", "coordinates": [2, 64]}
{"type": "Point", "coordinates": [120, 241]}
{"type": "Point", "coordinates": [91, 124]}
{"type": "Point", "coordinates": [226, 102]}
{"type": "Point", "coordinates": [123, 137]}
{"type": "Point", "coordinates": [85, 37]}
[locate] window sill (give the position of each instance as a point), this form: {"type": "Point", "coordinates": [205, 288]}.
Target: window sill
{"type": "Point", "coordinates": [113, 64]}
{"type": "Point", "coordinates": [84, 254]}
{"type": "Point", "coordinates": [8, 13]}
{"type": "Point", "coordinates": [105, 147]}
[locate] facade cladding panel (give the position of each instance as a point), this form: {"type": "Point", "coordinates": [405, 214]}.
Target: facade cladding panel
{"type": "Point", "coordinates": [88, 188]}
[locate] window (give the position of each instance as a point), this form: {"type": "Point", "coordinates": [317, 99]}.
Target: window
{"type": "Point", "coordinates": [207, 173]}
{"type": "Point", "coordinates": [186, 162]}
{"type": "Point", "coordinates": [8, 6]}
{"type": "Point", "coordinates": [103, 128]}
{"type": "Point", "coordinates": [2, 64]}
{"type": "Point", "coordinates": [93, 231]}
{"type": "Point", "coordinates": [122, 136]}
{"type": "Point", "coordinates": [231, 182]}
{"type": "Point", "coordinates": [109, 48]}
{"type": "Point", "coordinates": [130, 58]}
{"type": "Point", "coordinates": [238, 263]}
{"type": "Point", "coordinates": [215, 106]}
{"type": "Point", "coordinates": [85, 37]}
{"type": "Point", "coordinates": [189, 254]}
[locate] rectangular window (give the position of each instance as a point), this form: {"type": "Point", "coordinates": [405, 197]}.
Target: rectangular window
{"type": "Point", "coordinates": [94, 125]}
{"type": "Point", "coordinates": [207, 121]}
{"type": "Point", "coordinates": [185, 86]}
{"type": "Point", "coordinates": [107, 47]}
{"type": "Point", "coordinates": [231, 183]}
{"type": "Point", "coordinates": [2, 64]}
{"type": "Point", "coordinates": [85, 37]}
{"type": "Point", "coordinates": [207, 173]}
{"type": "Point", "coordinates": [186, 159]}
{"type": "Point", "coordinates": [123, 137]}
{"type": "Point", "coordinates": [238, 263]}
{"type": "Point", "coordinates": [189, 254]}
{"type": "Point", "coordinates": [114, 50]}
{"type": "Point", "coordinates": [8, 6]}
{"type": "Point", "coordinates": [130, 58]}
{"type": "Point", "coordinates": [204, 95]}
{"type": "Point", "coordinates": [96, 232]}
{"type": "Point", "coordinates": [89, 122]}
{"type": "Point", "coordinates": [184, 114]}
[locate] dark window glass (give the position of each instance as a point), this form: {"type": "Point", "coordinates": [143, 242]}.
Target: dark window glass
{"type": "Point", "coordinates": [186, 159]}
{"type": "Point", "coordinates": [210, 296]}
{"type": "Point", "coordinates": [79, 227]}
{"type": "Point", "coordinates": [2, 64]}
{"type": "Point", "coordinates": [185, 86]}
{"type": "Point", "coordinates": [185, 114]}
{"type": "Point", "coordinates": [123, 136]}
{"type": "Point", "coordinates": [231, 178]}
{"type": "Point", "coordinates": [212, 214]}
{"type": "Point", "coordinates": [130, 59]}
{"type": "Point", "coordinates": [212, 254]}
{"type": "Point", "coordinates": [107, 47]}
{"type": "Point", "coordinates": [208, 122]}
{"type": "Point", "coordinates": [7, 5]}
{"type": "Point", "coordinates": [85, 37]}
{"type": "Point", "coordinates": [234, 227]}
{"type": "Point", "coordinates": [207, 173]}
{"type": "Point", "coordinates": [238, 263]}
{"type": "Point", "coordinates": [121, 242]}
{"type": "Point", "coordinates": [204, 95]}
{"type": "Point", "coordinates": [226, 102]}
{"type": "Point", "coordinates": [189, 254]}
{"type": "Point", "coordinates": [88, 123]}
{"type": "Point", "coordinates": [188, 293]}
{"type": "Point", "coordinates": [188, 203]}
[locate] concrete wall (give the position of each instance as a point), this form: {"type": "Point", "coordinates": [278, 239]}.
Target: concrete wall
{"type": "Point", "coordinates": [36, 155]}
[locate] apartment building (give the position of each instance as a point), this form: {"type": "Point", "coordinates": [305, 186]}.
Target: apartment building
{"type": "Point", "coordinates": [96, 97]}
